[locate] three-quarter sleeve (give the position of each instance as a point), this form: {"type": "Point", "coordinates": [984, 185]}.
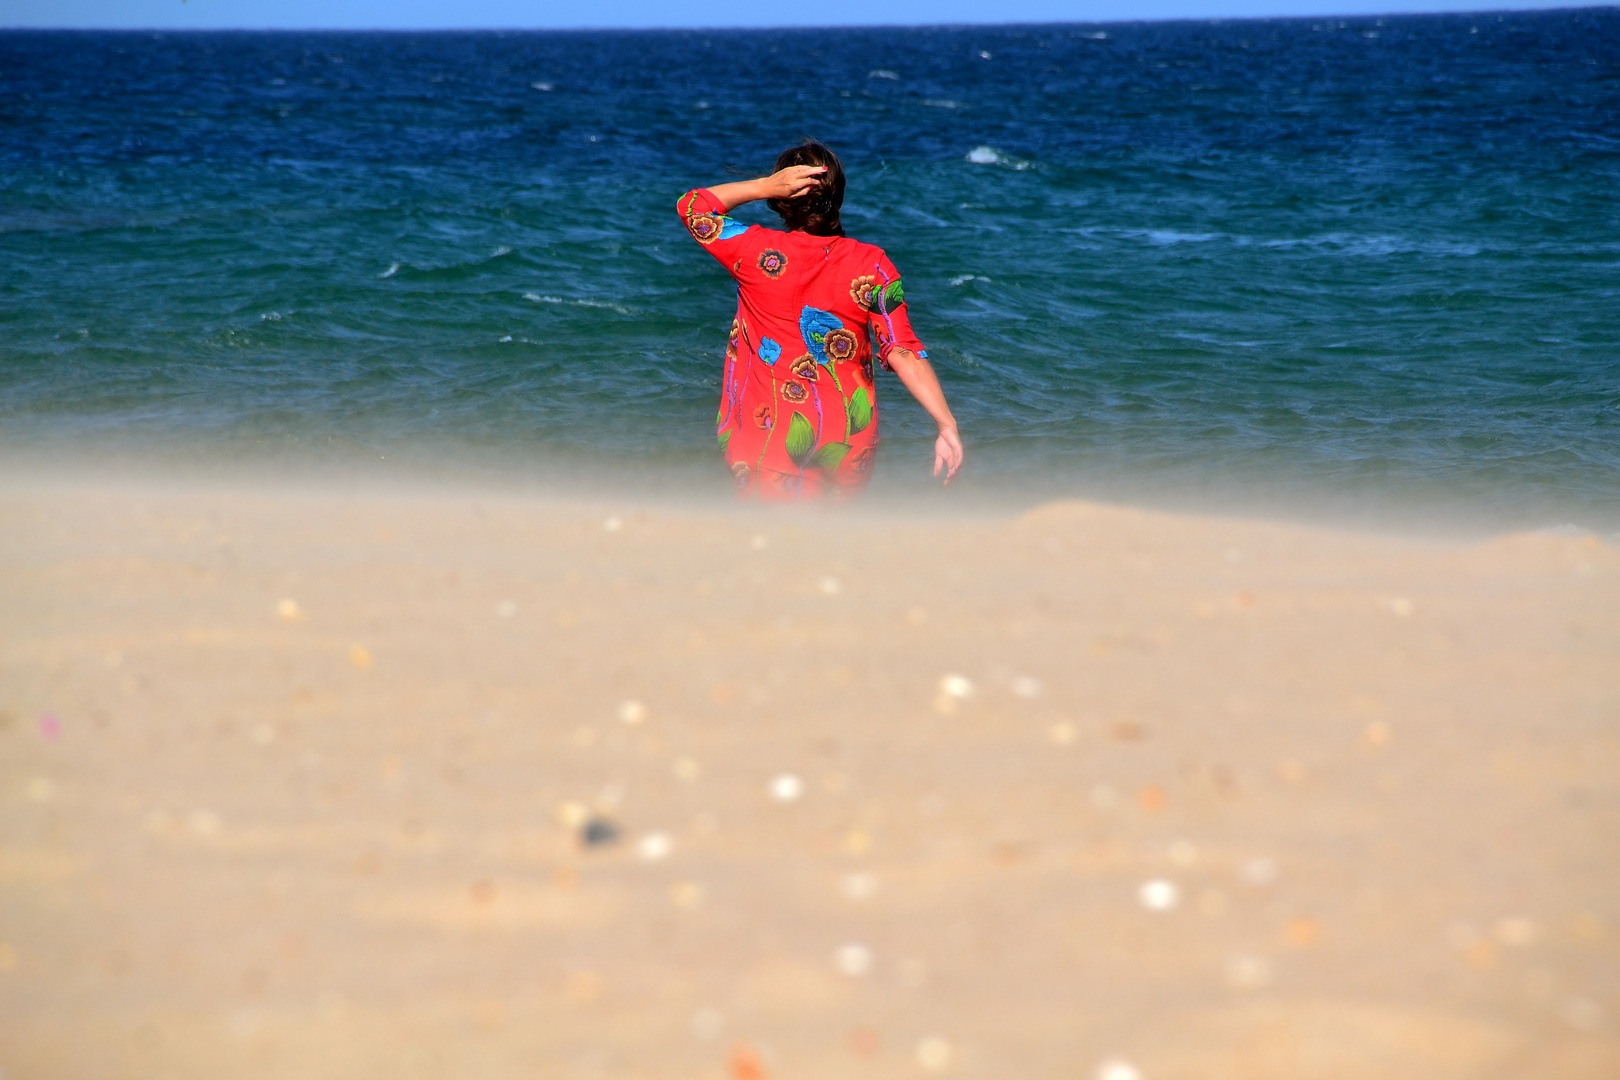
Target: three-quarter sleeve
{"type": "Point", "coordinates": [890, 327]}
{"type": "Point", "coordinates": [705, 218]}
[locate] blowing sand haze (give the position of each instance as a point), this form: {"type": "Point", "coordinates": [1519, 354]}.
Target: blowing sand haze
{"type": "Point", "coordinates": [305, 784]}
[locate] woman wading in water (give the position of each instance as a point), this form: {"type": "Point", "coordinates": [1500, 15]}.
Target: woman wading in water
{"type": "Point", "coordinates": [798, 411]}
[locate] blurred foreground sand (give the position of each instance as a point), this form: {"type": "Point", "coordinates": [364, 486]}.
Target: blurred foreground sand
{"type": "Point", "coordinates": [291, 785]}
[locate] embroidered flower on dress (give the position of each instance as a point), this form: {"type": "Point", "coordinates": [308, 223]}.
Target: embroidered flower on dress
{"type": "Point", "coordinates": [804, 367]}
{"type": "Point", "coordinates": [769, 350]}
{"type": "Point", "coordinates": [772, 262]}
{"type": "Point", "coordinates": [762, 416]}
{"type": "Point", "coordinates": [840, 344]}
{"type": "Point", "coordinates": [705, 228]}
{"type": "Point", "coordinates": [739, 474]}
{"type": "Point", "coordinates": [863, 290]}
{"type": "Point", "coordinates": [794, 392]}
{"type": "Point", "coordinates": [814, 326]}
{"type": "Point", "coordinates": [736, 333]}
{"type": "Point", "coordinates": [866, 369]}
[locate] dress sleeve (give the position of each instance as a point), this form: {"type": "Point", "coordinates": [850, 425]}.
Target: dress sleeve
{"type": "Point", "coordinates": [889, 325]}
{"type": "Point", "coordinates": [705, 218]}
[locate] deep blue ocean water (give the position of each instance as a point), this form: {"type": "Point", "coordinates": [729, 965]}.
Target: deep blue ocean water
{"type": "Point", "coordinates": [1370, 264]}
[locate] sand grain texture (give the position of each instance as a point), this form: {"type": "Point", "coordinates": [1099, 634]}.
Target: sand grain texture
{"type": "Point", "coordinates": [292, 785]}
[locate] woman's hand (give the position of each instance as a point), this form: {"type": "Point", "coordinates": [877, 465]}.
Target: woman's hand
{"type": "Point", "coordinates": [791, 182]}
{"type": "Point", "coordinates": [947, 453]}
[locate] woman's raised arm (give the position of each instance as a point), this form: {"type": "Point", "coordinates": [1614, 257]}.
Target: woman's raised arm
{"type": "Point", "coordinates": [788, 183]}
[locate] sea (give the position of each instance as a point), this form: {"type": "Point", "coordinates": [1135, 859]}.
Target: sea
{"type": "Point", "coordinates": [1364, 269]}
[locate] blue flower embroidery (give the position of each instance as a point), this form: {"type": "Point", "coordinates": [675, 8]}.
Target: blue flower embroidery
{"type": "Point", "coordinates": [814, 326]}
{"type": "Point", "coordinates": [769, 350]}
{"type": "Point", "coordinates": [730, 227]}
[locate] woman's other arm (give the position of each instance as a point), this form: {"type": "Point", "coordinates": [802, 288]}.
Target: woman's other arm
{"type": "Point", "coordinates": [789, 183]}
{"type": "Point", "coordinates": [918, 376]}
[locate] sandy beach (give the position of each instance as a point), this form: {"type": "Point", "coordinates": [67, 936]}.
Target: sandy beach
{"type": "Point", "coordinates": [306, 783]}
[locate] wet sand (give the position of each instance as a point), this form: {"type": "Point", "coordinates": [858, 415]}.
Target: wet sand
{"type": "Point", "coordinates": [294, 783]}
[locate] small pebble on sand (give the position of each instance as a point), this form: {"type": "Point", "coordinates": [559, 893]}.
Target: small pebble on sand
{"type": "Point", "coordinates": [787, 788]}
{"type": "Point", "coordinates": [506, 609]}
{"type": "Point", "coordinates": [1376, 734]}
{"type": "Point", "coordinates": [956, 686]}
{"type": "Point", "coordinates": [1158, 895]}
{"type": "Point", "coordinates": [858, 886]}
{"type": "Point", "coordinates": [632, 712]}
{"type": "Point", "coordinates": [572, 814]}
{"type": "Point", "coordinates": [654, 847]}
{"type": "Point", "coordinates": [853, 960]}
{"type": "Point", "coordinates": [360, 657]}
{"type": "Point", "coordinates": [205, 823]}
{"type": "Point", "coordinates": [1182, 853]}
{"type": "Point", "coordinates": [708, 1024]}
{"type": "Point", "coordinates": [263, 735]}
{"type": "Point", "coordinates": [829, 586]}
{"type": "Point", "coordinates": [49, 726]}
{"type": "Point", "coordinates": [1260, 872]}
{"type": "Point", "coordinates": [1104, 797]}
{"type": "Point", "coordinates": [612, 524]}
{"type": "Point", "coordinates": [759, 542]}
{"type": "Point", "coordinates": [1026, 687]}
{"type": "Point", "coordinates": [1117, 1068]}
{"type": "Point", "coordinates": [41, 789]}
{"type": "Point", "coordinates": [1244, 972]}
{"type": "Point", "coordinates": [1063, 733]}
{"type": "Point", "coordinates": [288, 610]}
{"type": "Point", "coordinates": [1516, 932]}
{"type": "Point", "coordinates": [598, 832]}
{"type": "Point", "coordinates": [1400, 606]}
{"type": "Point", "coordinates": [685, 770]}
{"type": "Point", "coordinates": [686, 895]}
{"type": "Point", "coordinates": [934, 1053]}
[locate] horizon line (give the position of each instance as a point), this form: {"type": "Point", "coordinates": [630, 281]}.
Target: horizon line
{"type": "Point", "coordinates": [519, 29]}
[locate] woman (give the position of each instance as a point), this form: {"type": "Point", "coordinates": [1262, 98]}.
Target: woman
{"type": "Point", "coordinates": [798, 411]}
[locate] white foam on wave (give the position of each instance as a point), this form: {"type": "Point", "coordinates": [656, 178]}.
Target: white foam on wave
{"type": "Point", "coordinates": [989, 155]}
{"type": "Point", "coordinates": [963, 279]}
{"type": "Point", "coordinates": [543, 87]}
{"type": "Point", "coordinates": [881, 73]}
{"type": "Point", "coordinates": [577, 302]}
{"type": "Point", "coordinates": [502, 250]}
{"type": "Point", "coordinates": [941, 103]}
{"type": "Point", "coordinates": [393, 268]}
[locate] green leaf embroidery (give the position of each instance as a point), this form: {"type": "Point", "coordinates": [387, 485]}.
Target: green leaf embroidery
{"type": "Point", "coordinates": [859, 410]}
{"type": "Point", "coordinates": [893, 295]}
{"type": "Point", "coordinates": [829, 456]}
{"type": "Point", "coordinates": [801, 438]}
{"type": "Point", "coordinates": [719, 417]}
{"type": "Point", "coordinates": [725, 440]}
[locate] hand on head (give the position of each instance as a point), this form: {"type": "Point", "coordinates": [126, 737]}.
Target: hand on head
{"type": "Point", "coordinates": [793, 181]}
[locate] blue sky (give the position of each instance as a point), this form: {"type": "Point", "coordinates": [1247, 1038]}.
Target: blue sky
{"type": "Point", "coordinates": [447, 14]}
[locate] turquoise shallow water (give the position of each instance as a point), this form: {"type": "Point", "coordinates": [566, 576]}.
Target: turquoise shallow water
{"type": "Point", "coordinates": [1363, 264]}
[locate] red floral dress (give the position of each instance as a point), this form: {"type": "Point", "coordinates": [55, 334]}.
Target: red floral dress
{"type": "Point", "coordinates": [798, 409]}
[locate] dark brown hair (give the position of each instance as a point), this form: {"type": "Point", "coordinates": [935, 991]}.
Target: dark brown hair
{"type": "Point", "coordinates": [816, 211]}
